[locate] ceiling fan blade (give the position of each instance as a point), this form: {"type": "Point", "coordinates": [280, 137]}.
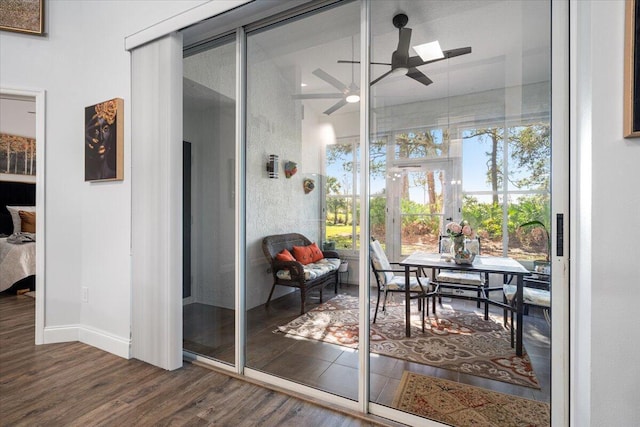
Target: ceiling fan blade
{"type": "Point", "coordinates": [318, 96]}
{"type": "Point", "coordinates": [335, 106]}
{"type": "Point", "coordinates": [344, 61]}
{"type": "Point", "coordinates": [416, 61]}
{"type": "Point", "coordinates": [381, 77]}
{"type": "Point", "coordinates": [331, 80]}
{"type": "Point", "coordinates": [418, 76]}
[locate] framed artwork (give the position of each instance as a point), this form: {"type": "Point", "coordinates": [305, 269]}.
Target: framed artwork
{"type": "Point", "coordinates": [632, 70]}
{"type": "Point", "coordinates": [17, 158]}
{"type": "Point", "coordinates": [22, 16]}
{"type": "Point", "coordinates": [104, 141]}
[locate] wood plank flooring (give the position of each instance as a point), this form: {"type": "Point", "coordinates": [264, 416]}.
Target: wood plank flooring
{"type": "Point", "coordinates": [73, 384]}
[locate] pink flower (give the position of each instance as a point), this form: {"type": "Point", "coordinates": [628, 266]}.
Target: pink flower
{"type": "Point", "coordinates": [454, 228]}
{"type": "Point", "coordinates": [466, 230]}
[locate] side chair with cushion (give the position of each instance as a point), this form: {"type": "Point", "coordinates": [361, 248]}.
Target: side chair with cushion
{"type": "Point", "coordinates": [389, 279]}
{"type": "Point", "coordinates": [461, 280]}
{"type": "Point", "coordinates": [297, 262]}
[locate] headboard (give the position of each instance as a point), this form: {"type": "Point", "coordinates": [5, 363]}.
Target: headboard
{"type": "Point", "coordinates": [14, 194]}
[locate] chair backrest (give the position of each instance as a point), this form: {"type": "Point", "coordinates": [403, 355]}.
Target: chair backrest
{"type": "Point", "coordinates": [272, 245]}
{"type": "Point", "coordinates": [472, 245]}
{"type": "Point", "coordinates": [379, 262]}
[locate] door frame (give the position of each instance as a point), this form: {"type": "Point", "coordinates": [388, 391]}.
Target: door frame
{"type": "Point", "coordinates": [39, 97]}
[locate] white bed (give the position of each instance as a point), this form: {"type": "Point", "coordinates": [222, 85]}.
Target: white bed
{"type": "Point", "coordinates": [17, 261]}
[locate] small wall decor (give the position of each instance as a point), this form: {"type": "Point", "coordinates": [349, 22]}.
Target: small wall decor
{"type": "Point", "coordinates": [17, 156]}
{"type": "Point", "coordinates": [22, 16]}
{"type": "Point", "coordinates": [308, 184]}
{"type": "Point", "coordinates": [104, 141]}
{"type": "Point", "coordinates": [272, 166]}
{"type": "Point", "coordinates": [290, 169]}
{"type": "Point", "coordinates": [632, 70]}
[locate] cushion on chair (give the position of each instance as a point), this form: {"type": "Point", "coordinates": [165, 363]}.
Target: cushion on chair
{"type": "Point", "coordinates": [380, 262]}
{"type": "Point", "coordinates": [316, 253]}
{"type": "Point", "coordinates": [303, 254]}
{"type": "Point", "coordinates": [397, 283]}
{"type": "Point", "coordinates": [532, 296]}
{"type": "Point", "coordinates": [313, 270]}
{"type": "Point", "coordinates": [462, 278]}
{"type": "Point", "coordinates": [285, 255]}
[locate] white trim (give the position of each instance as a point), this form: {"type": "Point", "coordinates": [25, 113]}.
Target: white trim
{"type": "Point", "coordinates": [105, 341]}
{"type": "Point", "coordinates": [580, 181]}
{"type": "Point", "coordinates": [40, 181]}
{"type": "Point", "coordinates": [180, 21]}
{"type": "Point", "coordinates": [58, 334]}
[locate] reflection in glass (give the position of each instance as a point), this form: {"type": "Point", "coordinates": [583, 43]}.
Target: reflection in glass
{"type": "Point", "coordinates": [297, 108]}
{"type": "Point", "coordinates": [209, 132]}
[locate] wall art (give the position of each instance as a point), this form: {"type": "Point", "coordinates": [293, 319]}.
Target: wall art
{"type": "Point", "coordinates": [104, 141]}
{"type": "Point", "coordinates": [22, 16]}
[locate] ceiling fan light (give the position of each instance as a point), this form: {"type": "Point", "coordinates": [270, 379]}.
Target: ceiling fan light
{"type": "Point", "coordinates": [352, 99]}
{"type": "Point", "coordinates": [399, 71]}
{"type": "Point", "coordinates": [429, 51]}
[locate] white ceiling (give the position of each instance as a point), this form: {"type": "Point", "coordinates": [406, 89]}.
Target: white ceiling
{"type": "Point", "coordinates": [17, 116]}
{"type": "Point", "coordinates": [509, 39]}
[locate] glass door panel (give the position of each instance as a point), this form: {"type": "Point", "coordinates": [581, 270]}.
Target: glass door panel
{"type": "Point", "coordinates": [447, 117]}
{"type": "Point", "coordinates": [209, 132]}
{"type": "Point", "coordinates": [421, 209]}
{"type": "Point", "coordinates": [302, 113]}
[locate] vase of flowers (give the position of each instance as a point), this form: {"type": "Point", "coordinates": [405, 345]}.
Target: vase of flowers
{"type": "Point", "coordinates": [458, 232]}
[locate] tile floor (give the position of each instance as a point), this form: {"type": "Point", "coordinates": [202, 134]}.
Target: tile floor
{"type": "Point", "coordinates": [333, 368]}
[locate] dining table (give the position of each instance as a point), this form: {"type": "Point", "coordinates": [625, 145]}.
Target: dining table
{"type": "Point", "coordinates": [483, 264]}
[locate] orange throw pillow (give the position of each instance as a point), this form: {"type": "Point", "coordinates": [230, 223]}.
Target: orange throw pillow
{"type": "Point", "coordinates": [316, 253]}
{"type": "Point", "coordinates": [303, 254]}
{"type": "Point", "coordinates": [285, 255]}
{"type": "Point", "coordinates": [28, 221]}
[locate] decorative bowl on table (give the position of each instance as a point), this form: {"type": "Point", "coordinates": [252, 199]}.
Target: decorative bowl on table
{"type": "Point", "coordinates": [464, 257]}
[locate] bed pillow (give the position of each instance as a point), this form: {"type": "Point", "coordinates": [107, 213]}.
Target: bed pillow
{"type": "Point", "coordinates": [15, 215]}
{"type": "Point", "coordinates": [28, 220]}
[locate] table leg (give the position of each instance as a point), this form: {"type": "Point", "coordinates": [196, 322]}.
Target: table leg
{"type": "Point", "coordinates": [519, 314]}
{"type": "Point", "coordinates": [407, 296]}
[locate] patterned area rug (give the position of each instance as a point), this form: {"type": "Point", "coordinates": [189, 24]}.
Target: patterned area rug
{"type": "Point", "coordinates": [464, 405]}
{"type": "Point", "coordinates": [456, 340]}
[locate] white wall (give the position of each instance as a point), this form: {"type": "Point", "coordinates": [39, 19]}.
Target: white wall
{"type": "Point", "coordinates": [614, 347]}
{"type": "Point", "coordinates": [81, 61]}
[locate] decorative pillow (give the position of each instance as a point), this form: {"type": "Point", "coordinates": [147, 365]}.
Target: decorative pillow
{"type": "Point", "coordinates": [303, 254]}
{"type": "Point", "coordinates": [316, 253]}
{"type": "Point", "coordinates": [28, 221]}
{"type": "Point", "coordinates": [15, 215]}
{"type": "Point", "coordinates": [285, 255]}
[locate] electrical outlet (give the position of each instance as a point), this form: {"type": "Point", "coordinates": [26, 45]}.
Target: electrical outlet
{"type": "Point", "coordinates": [85, 294]}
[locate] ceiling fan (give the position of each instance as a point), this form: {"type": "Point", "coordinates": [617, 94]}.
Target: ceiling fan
{"type": "Point", "coordinates": [402, 63]}
{"type": "Point", "coordinates": [347, 94]}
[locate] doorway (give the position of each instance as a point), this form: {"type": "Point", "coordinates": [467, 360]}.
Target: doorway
{"type": "Point", "coordinates": [36, 101]}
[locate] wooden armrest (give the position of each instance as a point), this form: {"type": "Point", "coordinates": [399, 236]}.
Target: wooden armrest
{"type": "Point", "coordinates": [295, 268]}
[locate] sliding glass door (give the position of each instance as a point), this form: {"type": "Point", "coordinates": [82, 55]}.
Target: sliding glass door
{"type": "Point", "coordinates": [210, 213]}
{"type": "Point", "coordinates": [461, 92]}
{"type": "Point", "coordinates": [300, 100]}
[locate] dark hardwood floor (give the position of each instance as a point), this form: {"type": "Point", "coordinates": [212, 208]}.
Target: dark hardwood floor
{"type": "Point", "coordinates": [73, 384]}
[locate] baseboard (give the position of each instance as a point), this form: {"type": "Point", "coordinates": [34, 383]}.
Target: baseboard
{"type": "Point", "coordinates": [105, 341]}
{"type": "Point", "coordinates": [93, 337]}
